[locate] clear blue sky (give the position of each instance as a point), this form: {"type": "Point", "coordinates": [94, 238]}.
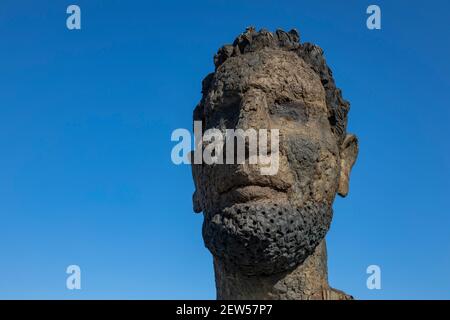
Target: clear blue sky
{"type": "Point", "coordinates": [86, 117]}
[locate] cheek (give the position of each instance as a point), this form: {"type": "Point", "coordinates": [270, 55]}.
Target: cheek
{"type": "Point", "coordinates": [315, 169]}
{"type": "Point", "coordinates": [326, 177]}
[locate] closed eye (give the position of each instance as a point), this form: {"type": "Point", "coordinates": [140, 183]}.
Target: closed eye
{"type": "Point", "coordinates": [225, 114]}
{"type": "Point", "coordinates": [290, 110]}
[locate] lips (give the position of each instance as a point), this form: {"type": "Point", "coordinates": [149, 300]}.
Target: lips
{"type": "Point", "coordinates": [231, 181]}
{"type": "Point", "coordinates": [240, 194]}
{"type": "Point", "coordinates": [241, 184]}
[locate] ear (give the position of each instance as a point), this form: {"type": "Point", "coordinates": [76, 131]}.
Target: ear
{"type": "Point", "coordinates": [349, 152]}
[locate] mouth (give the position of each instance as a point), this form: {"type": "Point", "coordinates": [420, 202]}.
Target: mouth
{"type": "Point", "coordinates": [251, 192]}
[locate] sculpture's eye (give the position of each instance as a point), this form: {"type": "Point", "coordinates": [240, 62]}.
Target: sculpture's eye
{"type": "Point", "coordinates": [224, 114]}
{"type": "Point", "coordinates": [290, 110]}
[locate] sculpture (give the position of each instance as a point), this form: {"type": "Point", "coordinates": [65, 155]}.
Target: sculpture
{"type": "Point", "coordinates": [266, 232]}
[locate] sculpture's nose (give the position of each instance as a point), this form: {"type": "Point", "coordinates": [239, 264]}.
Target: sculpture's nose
{"type": "Point", "coordinates": [253, 131]}
{"type": "Point", "coordinates": [254, 111]}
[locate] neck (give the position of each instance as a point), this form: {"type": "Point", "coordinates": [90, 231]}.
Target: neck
{"type": "Point", "coordinates": [308, 281]}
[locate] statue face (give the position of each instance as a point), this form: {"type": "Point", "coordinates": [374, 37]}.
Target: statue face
{"type": "Point", "coordinates": [265, 224]}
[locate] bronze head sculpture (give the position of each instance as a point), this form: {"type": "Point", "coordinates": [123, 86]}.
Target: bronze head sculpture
{"type": "Point", "coordinates": [266, 232]}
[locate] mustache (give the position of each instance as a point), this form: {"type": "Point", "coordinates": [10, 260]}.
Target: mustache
{"type": "Point", "coordinates": [267, 238]}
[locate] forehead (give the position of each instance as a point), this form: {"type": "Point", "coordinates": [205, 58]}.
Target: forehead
{"type": "Point", "coordinates": [276, 72]}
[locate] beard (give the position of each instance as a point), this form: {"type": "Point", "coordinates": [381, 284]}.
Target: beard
{"type": "Point", "coordinates": [265, 238]}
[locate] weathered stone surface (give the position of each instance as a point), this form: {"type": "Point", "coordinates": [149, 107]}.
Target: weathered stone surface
{"type": "Point", "coordinates": [266, 233]}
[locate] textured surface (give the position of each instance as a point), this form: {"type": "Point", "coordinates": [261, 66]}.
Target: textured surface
{"type": "Point", "coordinates": [265, 228]}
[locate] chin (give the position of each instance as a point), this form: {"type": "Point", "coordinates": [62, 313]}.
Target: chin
{"type": "Point", "coordinates": [265, 237]}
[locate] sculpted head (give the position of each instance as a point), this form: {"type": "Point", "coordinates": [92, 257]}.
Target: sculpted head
{"type": "Point", "coordinates": [266, 224]}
